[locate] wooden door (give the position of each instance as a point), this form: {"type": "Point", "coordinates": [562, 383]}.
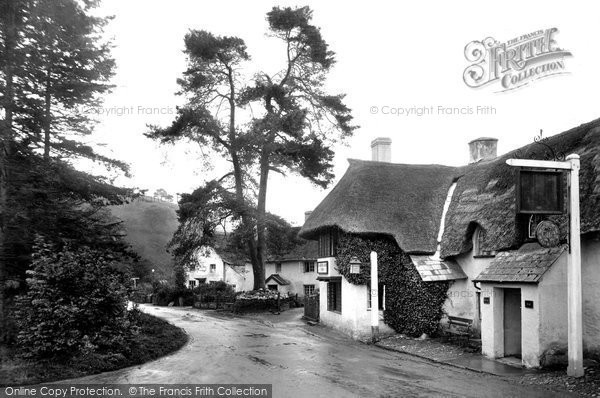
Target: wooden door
{"type": "Point", "coordinates": [512, 322]}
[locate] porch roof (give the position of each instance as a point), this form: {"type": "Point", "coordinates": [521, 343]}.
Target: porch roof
{"type": "Point", "coordinates": [433, 269]}
{"type": "Point", "coordinates": [278, 279]}
{"type": "Point", "coordinates": [528, 264]}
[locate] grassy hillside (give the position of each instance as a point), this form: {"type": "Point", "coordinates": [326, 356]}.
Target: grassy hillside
{"type": "Point", "coordinates": [149, 227]}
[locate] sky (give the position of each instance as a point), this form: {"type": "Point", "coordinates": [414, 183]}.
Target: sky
{"type": "Point", "coordinates": [400, 65]}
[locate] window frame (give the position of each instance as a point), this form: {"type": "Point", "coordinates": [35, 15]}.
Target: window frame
{"type": "Point", "coordinates": [309, 266]}
{"type": "Point", "coordinates": [478, 236]}
{"type": "Point", "coordinates": [309, 286]}
{"type": "Point", "coordinates": [328, 242]}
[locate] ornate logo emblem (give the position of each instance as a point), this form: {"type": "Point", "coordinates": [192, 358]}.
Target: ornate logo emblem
{"type": "Point", "coordinates": [516, 62]}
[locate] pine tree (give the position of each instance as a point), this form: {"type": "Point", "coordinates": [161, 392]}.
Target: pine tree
{"type": "Point", "coordinates": [53, 61]}
{"type": "Point", "coordinates": [295, 132]}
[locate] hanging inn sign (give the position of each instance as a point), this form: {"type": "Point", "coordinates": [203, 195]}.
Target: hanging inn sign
{"type": "Point", "coordinates": [539, 191]}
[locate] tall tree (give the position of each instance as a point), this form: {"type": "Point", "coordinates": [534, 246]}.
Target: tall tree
{"type": "Point", "coordinates": [53, 61]}
{"type": "Point", "coordinates": [65, 65]}
{"type": "Point", "coordinates": [10, 19]}
{"type": "Point", "coordinates": [300, 121]}
{"type": "Point", "coordinates": [295, 131]}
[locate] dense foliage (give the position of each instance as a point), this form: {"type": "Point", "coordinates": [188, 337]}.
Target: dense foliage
{"type": "Point", "coordinates": [202, 212]}
{"type": "Point", "coordinates": [213, 291]}
{"type": "Point", "coordinates": [412, 306]}
{"type": "Point", "coordinates": [155, 339]}
{"type": "Point", "coordinates": [261, 300]}
{"type": "Point", "coordinates": [54, 69]}
{"type": "Point", "coordinates": [76, 302]}
{"type": "Point", "coordinates": [61, 67]}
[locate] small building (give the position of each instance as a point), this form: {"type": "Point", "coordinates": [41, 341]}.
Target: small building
{"type": "Point", "coordinates": [216, 264]}
{"type": "Point", "coordinates": [294, 272]}
{"type": "Point", "coordinates": [461, 224]}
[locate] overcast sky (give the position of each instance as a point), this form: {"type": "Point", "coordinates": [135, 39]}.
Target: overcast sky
{"type": "Point", "coordinates": [389, 55]}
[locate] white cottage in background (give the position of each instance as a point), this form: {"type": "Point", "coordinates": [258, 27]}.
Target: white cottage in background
{"type": "Point", "coordinates": [460, 224]}
{"type": "Point", "coordinates": [213, 265]}
{"type": "Point", "coordinates": [294, 273]}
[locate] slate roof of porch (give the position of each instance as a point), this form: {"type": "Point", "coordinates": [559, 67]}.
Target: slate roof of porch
{"type": "Point", "coordinates": [528, 264]}
{"type": "Point", "coordinates": [278, 279]}
{"type": "Point", "coordinates": [434, 269]}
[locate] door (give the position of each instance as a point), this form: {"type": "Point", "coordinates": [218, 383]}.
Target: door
{"type": "Point", "coordinates": [512, 322]}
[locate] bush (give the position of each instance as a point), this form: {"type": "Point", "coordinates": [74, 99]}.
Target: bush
{"type": "Point", "coordinates": [76, 302]}
{"type": "Point", "coordinates": [209, 292]}
{"type": "Point", "coordinates": [169, 293]}
{"type": "Point", "coordinates": [156, 338]}
{"type": "Point", "coordinates": [412, 306]}
{"type": "Point", "coordinates": [166, 293]}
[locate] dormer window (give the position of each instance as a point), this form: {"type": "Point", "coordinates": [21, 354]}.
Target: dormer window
{"type": "Point", "coordinates": [328, 242]}
{"type": "Point", "coordinates": [478, 240]}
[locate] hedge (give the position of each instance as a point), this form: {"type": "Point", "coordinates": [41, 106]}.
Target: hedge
{"type": "Point", "coordinates": [261, 300]}
{"type": "Point", "coordinates": [76, 302]}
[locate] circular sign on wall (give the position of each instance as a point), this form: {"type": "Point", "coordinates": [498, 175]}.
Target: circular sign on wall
{"type": "Point", "coordinates": [547, 233]}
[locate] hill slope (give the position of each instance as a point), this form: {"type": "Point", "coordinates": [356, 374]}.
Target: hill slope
{"type": "Point", "coordinates": [150, 226]}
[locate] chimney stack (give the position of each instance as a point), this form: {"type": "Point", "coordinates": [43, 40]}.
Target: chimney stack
{"type": "Point", "coordinates": [307, 214]}
{"type": "Point", "coordinates": [381, 149]}
{"type": "Point", "coordinates": [483, 148]}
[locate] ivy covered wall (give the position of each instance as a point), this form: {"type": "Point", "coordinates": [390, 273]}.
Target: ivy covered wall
{"type": "Point", "coordinates": [412, 307]}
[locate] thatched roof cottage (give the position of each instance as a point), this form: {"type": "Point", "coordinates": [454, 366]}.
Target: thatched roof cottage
{"type": "Point", "coordinates": [461, 224]}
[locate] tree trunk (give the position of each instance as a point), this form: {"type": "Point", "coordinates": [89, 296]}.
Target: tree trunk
{"type": "Point", "coordinates": [6, 142]}
{"type": "Point", "coordinates": [261, 217]}
{"type": "Point", "coordinates": [257, 267]}
{"type": "Point", "coordinates": [47, 115]}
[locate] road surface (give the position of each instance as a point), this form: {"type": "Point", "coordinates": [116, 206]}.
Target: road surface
{"type": "Point", "coordinates": [301, 361]}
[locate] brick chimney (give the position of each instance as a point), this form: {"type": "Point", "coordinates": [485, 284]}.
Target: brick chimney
{"type": "Point", "coordinates": [307, 214]}
{"type": "Point", "coordinates": [381, 149]}
{"type": "Point", "coordinates": [483, 148]}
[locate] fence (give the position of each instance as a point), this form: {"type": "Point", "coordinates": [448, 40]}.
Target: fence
{"type": "Point", "coordinates": [215, 302]}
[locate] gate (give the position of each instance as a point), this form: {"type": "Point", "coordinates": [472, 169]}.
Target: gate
{"type": "Point", "coordinates": [311, 307]}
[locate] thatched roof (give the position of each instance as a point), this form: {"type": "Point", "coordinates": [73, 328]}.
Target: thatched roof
{"type": "Point", "coordinates": [401, 200]}
{"type": "Point", "coordinates": [306, 251]}
{"type": "Point", "coordinates": [485, 193]}
{"type": "Point", "coordinates": [406, 201]}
